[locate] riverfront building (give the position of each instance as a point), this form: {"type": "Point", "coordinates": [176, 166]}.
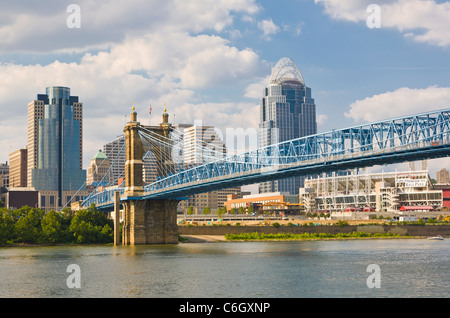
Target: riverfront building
{"type": "Point", "coordinates": [55, 147]}
{"type": "Point", "coordinates": [381, 192]}
{"type": "Point", "coordinates": [287, 111]}
{"type": "Point", "coordinates": [262, 202]}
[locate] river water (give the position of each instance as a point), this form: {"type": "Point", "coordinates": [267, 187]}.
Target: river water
{"type": "Point", "coordinates": [405, 268]}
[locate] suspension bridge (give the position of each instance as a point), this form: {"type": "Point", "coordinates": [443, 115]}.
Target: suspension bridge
{"type": "Point", "coordinates": [408, 138]}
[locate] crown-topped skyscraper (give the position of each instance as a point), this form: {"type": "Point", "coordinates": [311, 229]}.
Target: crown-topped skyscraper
{"type": "Point", "coordinates": [287, 112]}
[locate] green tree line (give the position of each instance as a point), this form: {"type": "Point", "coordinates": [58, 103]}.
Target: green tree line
{"type": "Point", "coordinates": [35, 226]}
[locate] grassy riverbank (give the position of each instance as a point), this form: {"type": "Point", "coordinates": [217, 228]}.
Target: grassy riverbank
{"type": "Point", "coordinates": [307, 236]}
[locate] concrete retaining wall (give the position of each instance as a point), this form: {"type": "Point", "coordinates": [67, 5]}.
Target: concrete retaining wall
{"type": "Point", "coordinates": [410, 230]}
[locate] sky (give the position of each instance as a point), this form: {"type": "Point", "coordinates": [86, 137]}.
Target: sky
{"type": "Point", "coordinates": [210, 60]}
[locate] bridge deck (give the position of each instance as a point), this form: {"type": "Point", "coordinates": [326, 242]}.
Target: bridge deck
{"type": "Point", "coordinates": [423, 136]}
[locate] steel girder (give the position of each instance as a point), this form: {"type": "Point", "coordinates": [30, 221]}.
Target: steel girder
{"type": "Point", "coordinates": [391, 141]}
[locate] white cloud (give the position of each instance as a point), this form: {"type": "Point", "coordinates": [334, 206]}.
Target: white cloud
{"type": "Point", "coordinates": [26, 26]}
{"type": "Point", "coordinates": [195, 61]}
{"type": "Point", "coordinates": [347, 10]}
{"type": "Point", "coordinates": [321, 119]}
{"type": "Point", "coordinates": [12, 129]}
{"type": "Point", "coordinates": [424, 21]}
{"type": "Point", "coordinates": [269, 28]}
{"type": "Point", "coordinates": [295, 29]}
{"type": "Point", "coordinates": [255, 90]}
{"type": "Point", "coordinates": [400, 102]}
{"type": "Point", "coordinates": [146, 52]}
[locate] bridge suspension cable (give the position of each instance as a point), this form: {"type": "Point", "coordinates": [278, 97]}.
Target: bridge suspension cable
{"type": "Point", "coordinates": [397, 140]}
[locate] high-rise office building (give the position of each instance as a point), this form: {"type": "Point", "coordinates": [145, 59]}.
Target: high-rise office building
{"type": "Point", "coordinates": [55, 147]}
{"type": "Point", "coordinates": [4, 175]}
{"type": "Point", "coordinates": [442, 176]}
{"type": "Point", "coordinates": [287, 112]}
{"type": "Point", "coordinates": [203, 144]}
{"type": "Point", "coordinates": [18, 168]}
{"type": "Point", "coordinates": [116, 152]}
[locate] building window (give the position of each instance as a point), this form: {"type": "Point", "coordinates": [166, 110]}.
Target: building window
{"type": "Point", "coordinates": [42, 201]}
{"type": "Point", "coordinates": [52, 200]}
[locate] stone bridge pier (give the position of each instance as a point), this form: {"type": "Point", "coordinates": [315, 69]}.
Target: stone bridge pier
{"type": "Point", "coordinates": [145, 221]}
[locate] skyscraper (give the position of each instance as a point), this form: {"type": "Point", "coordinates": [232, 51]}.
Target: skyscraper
{"type": "Point", "coordinates": [203, 144]}
{"type": "Point", "coordinates": [442, 176]}
{"type": "Point", "coordinates": [116, 152]}
{"type": "Point", "coordinates": [287, 111]}
{"type": "Point", "coordinates": [18, 168]}
{"type": "Point", "coordinates": [55, 146]}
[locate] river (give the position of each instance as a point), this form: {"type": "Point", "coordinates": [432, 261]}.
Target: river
{"type": "Point", "coordinates": [350, 268]}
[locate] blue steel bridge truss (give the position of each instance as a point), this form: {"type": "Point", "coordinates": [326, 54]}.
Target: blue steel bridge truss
{"type": "Point", "coordinates": [409, 138]}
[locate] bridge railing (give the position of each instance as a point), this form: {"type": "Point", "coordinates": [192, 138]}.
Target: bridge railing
{"type": "Point", "coordinates": [404, 134]}
{"type": "Point", "coordinates": [398, 135]}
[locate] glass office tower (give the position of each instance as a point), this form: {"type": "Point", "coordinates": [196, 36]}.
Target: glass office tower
{"type": "Point", "coordinates": [287, 112]}
{"type": "Point", "coordinates": [57, 142]}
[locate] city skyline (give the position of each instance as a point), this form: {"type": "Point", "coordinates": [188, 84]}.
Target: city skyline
{"type": "Point", "coordinates": [210, 61]}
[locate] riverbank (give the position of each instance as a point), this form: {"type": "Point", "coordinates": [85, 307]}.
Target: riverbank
{"type": "Point", "coordinates": [223, 238]}
{"type": "Point", "coordinates": [203, 238]}
{"type": "Point", "coordinates": [218, 233]}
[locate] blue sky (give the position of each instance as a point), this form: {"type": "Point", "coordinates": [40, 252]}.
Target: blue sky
{"type": "Point", "coordinates": [209, 60]}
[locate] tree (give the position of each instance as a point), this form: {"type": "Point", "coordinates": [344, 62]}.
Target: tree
{"type": "Point", "coordinates": [91, 226]}
{"type": "Point", "coordinates": [28, 226]}
{"type": "Point", "coordinates": [250, 209]}
{"type": "Point", "coordinates": [232, 211]}
{"type": "Point", "coordinates": [6, 226]}
{"type": "Point", "coordinates": [241, 210]}
{"type": "Point", "coordinates": [84, 232]}
{"type": "Point", "coordinates": [190, 210]}
{"type": "Point", "coordinates": [52, 230]}
{"type": "Point", "coordinates": [220, 213]}
{"type": "Point", "coordinates": [206, 210]}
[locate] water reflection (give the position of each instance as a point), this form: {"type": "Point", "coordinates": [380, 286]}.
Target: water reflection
{"type": "Point", "coordinates": [409, 268]}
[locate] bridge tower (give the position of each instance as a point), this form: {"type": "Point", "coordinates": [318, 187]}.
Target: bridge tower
{"type": "Point", "coordinates": [145, 221]}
